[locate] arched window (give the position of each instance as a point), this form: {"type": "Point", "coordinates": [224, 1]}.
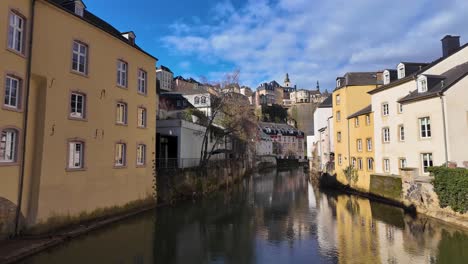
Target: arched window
{"type": "Point", "coordinates": [203, 100]}
{"type": "Point", "coordinates": [8, 145]}
{"type": "Point", "coordinates": [197, 100]}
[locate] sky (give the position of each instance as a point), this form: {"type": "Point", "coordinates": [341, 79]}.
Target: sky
{"type": "Point", "coordinates": [312, 40]}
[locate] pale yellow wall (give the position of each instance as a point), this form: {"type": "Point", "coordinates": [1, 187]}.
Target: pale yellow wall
{"type": "Point", "coordinates": [363, 132]}
{"type": "Point", "coordinates": [352, 99]}
{"type": "Point", "coordinates": [11, 63]}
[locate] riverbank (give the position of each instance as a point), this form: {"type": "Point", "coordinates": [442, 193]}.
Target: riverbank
{"type": "Point", "coordinates": [413, 196]}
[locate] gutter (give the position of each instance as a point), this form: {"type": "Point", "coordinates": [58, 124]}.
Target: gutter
{"type": "Point", "coordinates": [442, 104]}
{"type": "Point", "coordinates": [25, 117]}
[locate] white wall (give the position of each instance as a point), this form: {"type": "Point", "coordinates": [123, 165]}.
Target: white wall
{"type": "Point", "coordinates": [205, 108]}
{"type": "Point", "coordinates": [264, 147]}
{"type": "Point", "coordinates": [321, 119]}
{"type": "Point", "coordinates": [455, 59]}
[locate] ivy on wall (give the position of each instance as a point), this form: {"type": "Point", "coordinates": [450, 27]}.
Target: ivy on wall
{"type": "Point", "coordinates": [451, 185]}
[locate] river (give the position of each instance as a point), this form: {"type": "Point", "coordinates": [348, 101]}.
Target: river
{"type": "Point", "coordinates": [272, 217]}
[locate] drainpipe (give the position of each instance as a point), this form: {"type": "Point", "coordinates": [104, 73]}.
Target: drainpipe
{"type": "Point", "coordinates": [25, 117]}
{"type": "Point", "coordinates": [442, 104]}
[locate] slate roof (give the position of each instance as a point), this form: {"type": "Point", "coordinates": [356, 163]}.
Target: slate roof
{"type": "Point", "coordinates": [358, 79]}
{"type": "Point", "coordinates": [96, 21]}
{"type": "Point", "coordinates": [410, 77]}
{"type": "Point", "coordinates": [279, 128]}
{"type": "Point", "coordinates": [195, 91]}
{"type": "Point", "coordinates": [438, 83]}
{"type": "Point", "coordinates": [164, 68]}
{"type": "Point", "coordinates": [327, 103]}
{"type": "Point", "coordinates": [366, 110]}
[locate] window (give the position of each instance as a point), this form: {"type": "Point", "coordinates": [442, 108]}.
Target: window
{"type": "Point", "coordinates": [79, 9]}
{"type": "Point", "coordinates": [141, 155]}
{"type": "Point", "coordinates": [197, 100]}
{"type": "Point", "coordinates": [141, 117]}
{"type": "Point", "coordinates": [12, 92]}
{"type": "Point", "coordinates": [401, 71]}
{"type": "Point", "coordinates": [401, 132]}
{"type": "Point", "coordinates": [385, 109]}
{"type": "Point", "coordinates": [422, 84]}
{"type": "Point", "coordinates": [77, 105]}
{"type": "Point", "coordinates": [121, 113]}
{"type": "Point", "coordinates": [122, 68]}
{"type": "Point", "coordinates": [386, 77]}
{"type": "Point", "coordinates": [203, 100]}
{"type": "Point", "coordinates": [142, 81]}
{"type": "Point", "coordinates": [340, 159]}
{"type": "Point", "coordinates": [8, 145]}
{"type": "Point", "coordinates": [353, 162]}
{"type": "Point", "coordinates": [403, 163]}
{"type": "Point", "coordinates": [356, 121]}
{"type": "Point", "coordinates": [16, 32]}
{"type": "Point", "coordinates": [120, 154]}
{"type": "Point", "coordinates": [425, 125]}
{"type": "Point", "coordinates": [338, 136]}
{"type": "Point", "coordinates": [426, 161]}
{"type": "Point", "coordinates": [80, 57]}
{"type": "Point", "coordinates": [76, 155]}
{"type": "Point", "coordinates": [369, 144]}
{"type": "Point", "coordinates": [360, 165]}
{"type": "Point", "coordinates": [338, 83]}
{"type": "Point", "coordinates": [400, 108]}
{"type": "Point", "coordinates": [386, 165]}
{"type": "Point", "coordinates": [338, 100]}
{"type": "Point", "coordinates": [386, 134]}
{"type": "Point", "coordinates": [368, 121]}
{"type": "Point", "coordinates": [359, 145]}
{"type": "Point", "coordinates": [338, 116]}
{"type": "Point", "coordinates": [370, 164]}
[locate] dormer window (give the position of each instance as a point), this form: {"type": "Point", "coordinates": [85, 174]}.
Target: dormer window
{"type": "Point", "coordinates": [130, 36]}
{"type": "Point", "coordinates": [386, 77]}
{"type": "Point", "coordinates": [401, 71]}
{"type": "Point", "coordinates": [79, 8]}
{"type": "Point", "coordinates": [422, 84]}
{"type": "Point", "coordinates": [338, 83]}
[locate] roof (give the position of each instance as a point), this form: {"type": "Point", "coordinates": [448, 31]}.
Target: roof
{"type": "Point", "coordinates": [164, 68]}
{"type": "Point", "coordinates": [327, 103]}
{"type": "Point", "coordinates": [366, 110]}
{"type": "Point", "coordinates": [359, 79]}
{"type": "Point", "coordinates": [194, 91]}
{"type": "Point", "coordinates": [438, 83]}
{"type": "Point", "coordinates": [279, 128]}
{"type": "Point", "coordinates": [410, 77]}
{"type": "Point", "coordinates": [97, 22]}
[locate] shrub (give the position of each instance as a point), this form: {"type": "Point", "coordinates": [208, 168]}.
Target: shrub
{"type": "Point", "coordinates": [451, 185]}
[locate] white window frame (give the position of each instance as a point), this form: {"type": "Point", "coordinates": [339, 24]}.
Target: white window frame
{"type": "Point", "coordinates": [401, 133]}
{"type": "Point", "coordinates": [79, 9]}
{"type": "Point", "coordinates": [122, 73]}
{"type": "Point", "coordinates": [12, 84]}
{"type": "Point", "coordinates": [356, 121]}
{"type": "Point", "coordinates": [386, 135]}
{"type": "Point", "coordinates": [338, 99]}
{"type": "Point", "coordinates": [196, 100]}
{"type": "Point", "coordinates": [386, 77]}
{"type": "Point", "coordinates": [360, 164]}
{"type": "Point", "coordinates": [353, 163]}
{"type": "Point", "coordinates": [76, 154]}
{"type": "Point", "coordinates": [425, 127]}
{"type": "Point", "coordinates": [401, 71]}
{"type": "Point", "coordinates": [74, 113]}
{"type": "Point", "coordinates": [142, 80]}
{"type": "Point", "coordinates": [403, 163]}
{"type": "Point", "coordinates": [120, 159]}
{"type": "Point", "coordinates": [142, 117]}
{"type": "Point", "coordinates": [386, 165]}
{"type": "Point", "coordinates": [16, 32]}
{"type": "Point", "coordinates": [422, 84]}
{"type": "Point", "coordinates": [369, 144]}
{"type": "Point", "coordinates": [359, 145]}
{"type": "Point", "coordinates": [141, 155]}
{"type": "Point", "coordinates": [385, 109]}
{"type": "Point", "coordinates": [121, 115]}
{"type": "Point", "coordinates": [368, 120]}
{"type": "Point", "coordinates": [338, 116]}
{"type": "Point", "coordinates": [338, 136]}
{"type": "Point", "coordinates": [370, 164]}
{"type": "Point", "coordinates": [400, 108]}
{"type": "Point", "coordinates": [8, 145]}
{"type": "Point", "coordinates": [430, 162]}
{"type": "Point", "coordinates": [80, 57]}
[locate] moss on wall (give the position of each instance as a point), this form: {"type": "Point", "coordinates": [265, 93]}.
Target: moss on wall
{"type": "Point", "coordinates": [386, 186]}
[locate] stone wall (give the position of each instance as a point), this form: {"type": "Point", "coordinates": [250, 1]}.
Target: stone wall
{"type": "Point", "coordinates": [387, 186]}
{"type": "Point", "coordinates": [7, 217]}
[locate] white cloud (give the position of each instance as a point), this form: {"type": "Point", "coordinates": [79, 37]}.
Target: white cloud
{"type": "Point", "coordinates": [319, 40]}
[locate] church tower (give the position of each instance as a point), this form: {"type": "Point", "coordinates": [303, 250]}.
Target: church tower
{"type": "Point", "coordinates": [287, 82]}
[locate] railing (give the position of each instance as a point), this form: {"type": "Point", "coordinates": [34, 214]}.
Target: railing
{"type": "Point", "coordinates": [184, 163]}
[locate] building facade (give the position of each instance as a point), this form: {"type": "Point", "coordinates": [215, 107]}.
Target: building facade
{"type": "Point", "coordinates": [90, 133]}
{"type": "Point", "coordinates": [165, 77]}
{"type": "Point", "coordinates": [288, 142]}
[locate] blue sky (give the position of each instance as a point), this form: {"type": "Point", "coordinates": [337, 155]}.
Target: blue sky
{"type": "Point", "coordinates": [310, 39]}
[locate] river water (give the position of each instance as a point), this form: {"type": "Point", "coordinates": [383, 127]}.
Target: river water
{"type": "Point", "coordinates": [273, 217]}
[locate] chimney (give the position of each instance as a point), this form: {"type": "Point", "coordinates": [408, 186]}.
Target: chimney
{"type": "Point", "coordinates": [450, 44]}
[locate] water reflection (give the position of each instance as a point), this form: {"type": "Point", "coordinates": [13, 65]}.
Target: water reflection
{"type": "Point", "coordinates": [274, 217]}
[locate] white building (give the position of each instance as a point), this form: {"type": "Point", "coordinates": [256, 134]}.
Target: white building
{"type": "Point", "coordinates": [288, 142]}
{"type": "Point", "coordinates": [264, 144]}
{"type": "Point", "coordinates": [165, 76]}
{"type": "Point", "coordinates": [322, 119]}
{"type": "Point", "coordinates": [200, 99]}
{"type": "Point", "coordinates": [421, 118]}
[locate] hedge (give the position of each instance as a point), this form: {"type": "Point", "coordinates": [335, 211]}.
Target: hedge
{"type": "Point", "coordinates": [451, 185]}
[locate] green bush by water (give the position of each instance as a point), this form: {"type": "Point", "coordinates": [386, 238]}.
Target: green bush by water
{"type": "Point", "coordinates": [451, 185]}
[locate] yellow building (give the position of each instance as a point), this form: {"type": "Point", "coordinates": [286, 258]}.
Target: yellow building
{"type": "Point", "coordinates": [361, 147]}
{"type": "Point", "coordinates": [83, 108]}
{"type": "Point", "coordinates": [349, 97]}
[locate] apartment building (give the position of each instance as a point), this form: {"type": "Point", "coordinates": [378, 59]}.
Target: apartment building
{"type": "Point", "coordinates": [78, 112]}
{"type": "Point", "coordinates": [165, 77]}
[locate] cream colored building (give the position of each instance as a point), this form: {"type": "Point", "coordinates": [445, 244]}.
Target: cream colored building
{"type": "Point", "coordinates": [165, 77]}
{"type": "Point", "coordinates": [86, 112]}
{"type": "Point", "coordinates": [421, 119]}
